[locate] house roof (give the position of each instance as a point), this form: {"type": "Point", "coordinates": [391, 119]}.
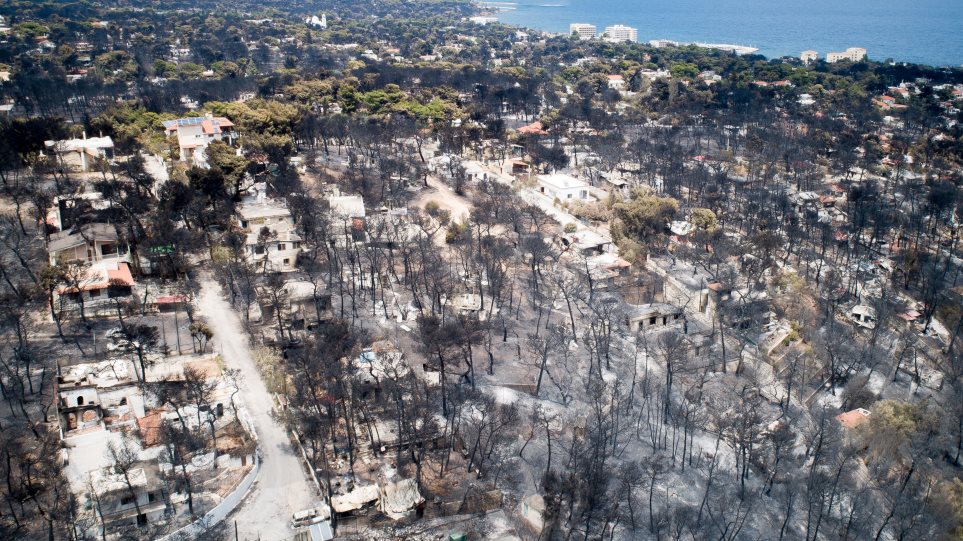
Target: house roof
{"type": "Point", "coordinates": [356, 499]}
{"type": "Point", "coordinates": [210, 125]}
{"type": "Point", "coordinates": [170, 299]}
{"type": "Point", "coordinates": [269, 208]}
{"type": "Point", "coordinates": [400, 497]}
{"type": "Point", "coordinates": [150, 428]}
{"type": "Point", "coordinates": [562, 181]}
{"type": "Point", "coordinates": [347, 206]}
{"type": "Point", "coordinates": [535, 128]}
{"type": "Point", "coordinates": [853, 418]}
{"type": "Point", "coordinates": [586, 238]}
{"type": "Point", "coordinates": [77, 145]}
{"type": "Point", "coordinates": [102, 275]}
{"type": "Point", "coordinates": [77, 237]}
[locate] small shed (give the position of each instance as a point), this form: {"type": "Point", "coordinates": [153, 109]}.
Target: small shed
{"type": "Point", "coordinates": [864, 316]}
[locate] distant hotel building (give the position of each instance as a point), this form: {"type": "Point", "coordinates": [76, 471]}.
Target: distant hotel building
{"type": "Point", "coordinates": [809, 56]}
{"type": "Point", "coordinates": [853, 54]}
{"type": "Point", "coordinates": [582, 30]}
{"type": "Point", "coordinates": [619, 33]}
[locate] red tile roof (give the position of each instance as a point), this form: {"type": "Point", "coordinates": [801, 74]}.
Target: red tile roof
{"type": "Point", "coordinates": [535, 128]}
{"type": "Point", "coordinates": [150, 428]}
{"type": "Point", "coordinates": [853, 418]}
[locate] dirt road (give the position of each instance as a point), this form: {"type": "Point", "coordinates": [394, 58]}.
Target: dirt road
{"type": "Point", "coordinates": [282, 487]}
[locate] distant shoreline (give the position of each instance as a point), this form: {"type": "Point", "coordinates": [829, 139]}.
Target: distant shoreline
{"type": "Point", "coordinates": [495, 8]}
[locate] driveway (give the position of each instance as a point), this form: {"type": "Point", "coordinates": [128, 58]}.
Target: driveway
{"type": "Point", "coordinates": [282, 487]}
{"type": "Point", "coordinates": [155, 166]}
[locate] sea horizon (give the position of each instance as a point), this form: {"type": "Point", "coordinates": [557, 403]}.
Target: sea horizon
{"type": "Point", "coordinates": [885, 28]}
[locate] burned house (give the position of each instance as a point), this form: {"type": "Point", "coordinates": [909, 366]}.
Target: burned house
{"type": "Point", "coordinates": [98, 396]}
{"type": "Point", "coordinates": [653, 316]}
{"type": "Point", "coordinates": [132, 500]}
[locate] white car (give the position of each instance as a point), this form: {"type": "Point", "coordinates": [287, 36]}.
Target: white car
{"type": "Point", "coordinates": [310, 516]}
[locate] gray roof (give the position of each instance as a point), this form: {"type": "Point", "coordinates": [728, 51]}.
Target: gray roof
{"type": "Point", "coordinates": [78, 236]}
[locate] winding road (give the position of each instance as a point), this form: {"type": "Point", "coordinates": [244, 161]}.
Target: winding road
{"type": "Point", "coordinates": [282, 487]}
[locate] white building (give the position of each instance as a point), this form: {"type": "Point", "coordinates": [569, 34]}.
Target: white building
{"type": "Point", "coordinates": [272, 239]}
{"type": "Point", "coordinates": [582, 30]}
{"type": "Point", "coordinates": [853, 54]}
{"type": "Point", "coordinates": [619, 33]}
{"type": "Point", "coordinates": [195, 133]}
{"type": "Point", "coordinates": [808, 56]}
{"type": "Point", "coordinates": [316, 22]}
{"type": "Point", "coordinates": [85, 149]}
{"type": "Point", "coordinates": [348, 222]}
{"type": "Point", "coordinates": [616, 82]}
{"type": "Point", "coordinates": [483, 20]}
{"type": "Point", "coordinates": [562, 186]}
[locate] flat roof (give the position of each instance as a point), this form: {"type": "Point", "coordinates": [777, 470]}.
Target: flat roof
{"type": "Point", "coordinates": [350, 206]}
{"type": "Point", "coordinates": [76, 237]}
{"type": "Point", "coordinates": [74, 145]}
{"type": "Point", "coordinates": [562, 181]}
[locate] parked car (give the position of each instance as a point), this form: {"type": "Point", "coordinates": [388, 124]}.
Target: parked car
{"type": "Point", "coordinates": [310, 516]}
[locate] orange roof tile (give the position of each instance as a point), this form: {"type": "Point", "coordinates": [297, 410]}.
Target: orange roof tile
{"type": "Point", "coordinates": [853, 418]}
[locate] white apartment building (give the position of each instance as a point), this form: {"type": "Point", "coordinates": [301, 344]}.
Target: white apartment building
{"type": "Point", "coordinates": [853, 54]}
{"type": "Point", "coordinates": [582, 30]}
{"type": "Point", "coordinates": [808, 56]}
{"type": "Point", "coordinates": [620, 33]}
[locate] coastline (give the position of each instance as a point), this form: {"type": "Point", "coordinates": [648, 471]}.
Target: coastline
{"type": "Point", "coordinates": [496, 10]}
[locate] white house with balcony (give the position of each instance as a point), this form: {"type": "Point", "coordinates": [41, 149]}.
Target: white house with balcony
{"type": "Point", "coordinates": [89, 243]}
{"type": "Point", "coordinates": [272, 241]}
{"type": "Point", "coordinates": [105, 272]}
{"type": "Point", "coordinates": [194, 134]}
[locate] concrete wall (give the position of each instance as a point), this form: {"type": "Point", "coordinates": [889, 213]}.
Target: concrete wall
{"type": "Point", "coordinates": [222, 510]}
{"type": "Point", "coordinates": [232, 500]}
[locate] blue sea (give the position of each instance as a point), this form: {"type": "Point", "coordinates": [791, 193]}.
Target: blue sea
{"type": "Point", "coordinates": [921, 31]}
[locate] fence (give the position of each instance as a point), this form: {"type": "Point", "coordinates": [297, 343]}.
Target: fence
{"type": "Point", "coordinates": [308, 465]}
{"type": "Point", "coordinates": [222, 510]}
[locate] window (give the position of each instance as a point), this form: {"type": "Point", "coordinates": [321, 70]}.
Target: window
{"type": "Point", "coordinates": [287, 261]}
{"type": "Point", "coordinates": [652, 320]}
{"type": "Point", "coordinates": [281, 246]}
{"type": "Point", "coordinates": [150, 497]}
{"type": "Point", "coordinates": [94, 293]}
{"type": "Point", "coordinates": [259, 250]}
{"type": "Point", "coordinates": [80, 401]}
{"type": "Point", "coordinates": [127, 500]}
{"type": "Point", "coordinates": [244, 224]}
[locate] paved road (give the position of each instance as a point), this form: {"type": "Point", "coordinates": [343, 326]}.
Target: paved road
{"type": "Point", "coordinates": [282, 487]}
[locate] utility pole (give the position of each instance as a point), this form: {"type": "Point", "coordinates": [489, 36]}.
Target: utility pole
{"type": "Point", "coordinates": [177, 329]}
